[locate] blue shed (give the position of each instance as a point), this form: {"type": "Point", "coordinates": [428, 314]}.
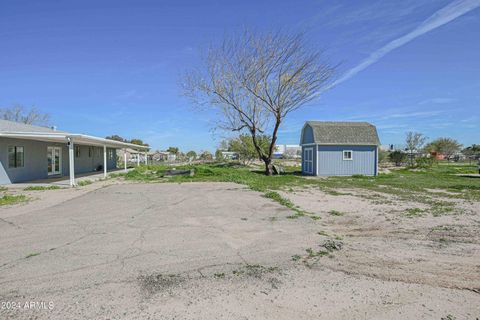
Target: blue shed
{"type": "Point", "coordinates": [339, 148]}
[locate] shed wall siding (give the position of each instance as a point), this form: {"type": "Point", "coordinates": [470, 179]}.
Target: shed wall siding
{"type": "Point", "coordinates": [331, 163]}
{"type": "Point", "coordinates": [35, 160]}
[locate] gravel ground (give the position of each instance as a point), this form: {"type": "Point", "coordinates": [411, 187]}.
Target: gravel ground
{"type": "Point", "coordinates": [217, 251]}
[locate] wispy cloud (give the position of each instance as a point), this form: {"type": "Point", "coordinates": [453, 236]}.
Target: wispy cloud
{"type": "Point", "coordinates": [437, 101]}
{"type": "Point", "coordinates": [439, 18]}
{"type": "Point", "coordinates": [127, 94]}
{"type": "Point", "coordinates": [392, 126]}
{"type": "Point", "coordinates": [388, 115]}
{"type": "Point", "coordinates": [412, 115]}
{"type": "Point", "coordinates": [441, 125]}
{"type": "Point", "coordinates": [470, 119]}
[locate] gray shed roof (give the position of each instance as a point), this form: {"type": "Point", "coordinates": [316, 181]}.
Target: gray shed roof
{"type": "Point", "coordinates": [11, 126]}
{"type": "Point", "coordinates": [343, 133]}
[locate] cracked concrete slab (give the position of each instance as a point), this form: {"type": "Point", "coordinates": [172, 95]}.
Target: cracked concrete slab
{"type": "Point", "coordinates": [160, 251]}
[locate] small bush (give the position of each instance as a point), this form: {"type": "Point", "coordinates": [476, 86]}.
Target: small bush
{"type": "Point", "coordinates": [414, 212]}
{"type": "Point", "coordinates": [397, 157]}
{"type": "Point", "coordinates": [425, 162]}
{"type": "Point", "coordinates": [84, 183]}
{"type": "Point", "coordinates": [41, 188]}
{"type": "Point", "coordinates": [313, 254]}
{"type": "Point", "coordinates": [10, 199]}
{"type": "Point", "coordinates": [382, 156]}
{"type": "Point", "coordinates": [332, 245]}
{"type": "Point", "coordinates": [336, 213]}
{"type": "Point", "coordinates": [296, 257]}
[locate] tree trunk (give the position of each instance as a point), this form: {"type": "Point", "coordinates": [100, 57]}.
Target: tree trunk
{"type": "Point", "coordinates": [268, 166]}
{"type": "Point", "coordinates": [268, 160]}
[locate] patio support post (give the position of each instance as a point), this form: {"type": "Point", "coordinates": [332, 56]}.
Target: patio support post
{"type": "Point", "coordinates": [138, 159]}
{"type": "Point", "coordinates": [146, 158]}
{"type": "Point", "coordinates": [125, 159]}
{"type": "Point", "coordinates": [71, 162]}
{"type": "Point", "coordinates": [104, 161]}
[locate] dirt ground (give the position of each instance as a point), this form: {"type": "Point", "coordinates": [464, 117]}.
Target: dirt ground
{"type": "Point", "coordinates": [220, 251]}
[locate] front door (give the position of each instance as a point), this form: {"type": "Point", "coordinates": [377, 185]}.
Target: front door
{"type": "Point", "coordinates": [54, 155]}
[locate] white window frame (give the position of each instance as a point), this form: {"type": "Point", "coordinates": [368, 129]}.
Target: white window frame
{"type": "Point", "coordinates": [351, 155]}
{"type": "Point", "coordinates": [15, 155]}
{"type": "Point", "coordinates": [53, 149]}
{"type": "Point", "coordinates": [305, 150]}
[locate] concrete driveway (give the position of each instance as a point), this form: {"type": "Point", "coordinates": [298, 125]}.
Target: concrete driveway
{"type": "Point", "coordinates": [92, 252]}
{"type": "Point", "coordinates": [164, 251]}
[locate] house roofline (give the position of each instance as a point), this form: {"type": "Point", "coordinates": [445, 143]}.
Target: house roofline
{"type": "Point", "coordinates": [63, 137]}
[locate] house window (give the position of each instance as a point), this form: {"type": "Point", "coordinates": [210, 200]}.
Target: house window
{"type": "Point", "coordinates": [90, 152]}
{"type": "Point", "coordinates": [347, 155]}
{"type": "Point", "coordinates": [110, 154]}
{"type": "Point", "coordinates": [77, 152]}
{"type": "Point", "coordinates": [15, 157]}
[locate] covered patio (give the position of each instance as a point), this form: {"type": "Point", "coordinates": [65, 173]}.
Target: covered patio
{"type": "Point", "coordinates": [55, 160]}
{"type": "Point", "coordinates": [64, 181]}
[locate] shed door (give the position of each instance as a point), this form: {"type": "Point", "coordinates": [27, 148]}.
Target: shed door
{"type": "Point", "coordinates": [308, 160]}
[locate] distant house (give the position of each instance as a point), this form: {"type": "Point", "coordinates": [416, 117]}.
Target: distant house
{"type": "Point", "coordinates": [32, 153]}
{"type": "Point", "coordinates": [229, 155]}
{"type": "Point", "coordinates": [132, 156]}
{"type": "Point", "coordinates": [339, 148]}
{"type": "Point", "coordinates": [158, 156]}
{"type": "Point", "coordinates": [437, 155]}
{"type": "Point", "coordinates": [290, 151]}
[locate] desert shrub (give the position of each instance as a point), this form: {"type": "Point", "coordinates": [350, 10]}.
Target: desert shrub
{"type": "Point", "coordinates": [382, 156]}
{"type": "Point", "coordinates": [41, 188]}
{"type": "Point", "coordinates": [397, 157]}
{"type": "Point", "coordinates": [83, 183]}
{"type": "Point", "coordinates": [8, 199]}
{"type": "Point", "coordinates": [425, 162]}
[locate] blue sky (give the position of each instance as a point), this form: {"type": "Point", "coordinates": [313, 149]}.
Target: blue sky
{"type": "Point", "coordinates": [112, 67]}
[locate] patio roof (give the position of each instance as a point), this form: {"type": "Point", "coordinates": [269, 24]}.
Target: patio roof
{"type": "Point", "coordinates": [77, 138]}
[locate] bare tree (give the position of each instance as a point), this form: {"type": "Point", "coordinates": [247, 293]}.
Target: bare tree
{"type": "Point", "coordinates": [256, 80]}
{"type": "Point", "coordinates": [21, 114]}
{"type": "Point", "coordinates": [414, 142]}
